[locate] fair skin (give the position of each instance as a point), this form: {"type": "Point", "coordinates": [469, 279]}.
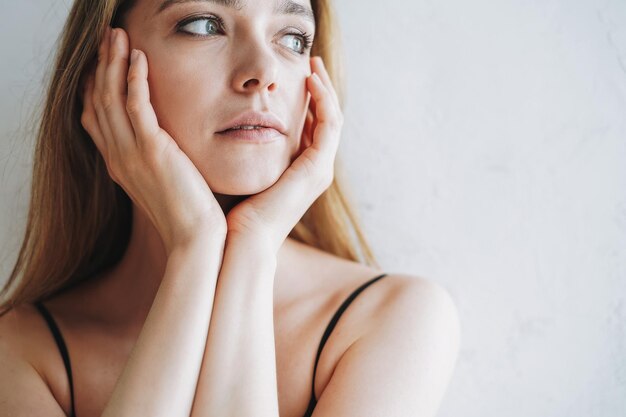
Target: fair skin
{"type": "Point", "coordinates": [213, 311]}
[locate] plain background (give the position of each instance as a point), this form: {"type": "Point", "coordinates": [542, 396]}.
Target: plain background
{"type": "Point", "coordinates": [485, 142]}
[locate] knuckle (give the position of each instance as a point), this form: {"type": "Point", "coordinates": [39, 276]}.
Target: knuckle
{"type": "Point", "coordinates": [97, 100]}
{"type": "Point", "coordinates": [335, 122]}
{"type": "Point", "coordinates": [123, 59]}
{"type": "Point", "coordinates": [132, 76]}
{"type": "Point", "coordinates": [107, 100]}
{"type": "Point", "coordinates": [85, 120]}
{"type": "Point", "coordinates": [117, 55]}
{"type": "Point", "coordinates": [111, 172]}
{"type": "Point", "coordinates": [133, 108]}
{"type": "Point", "coordinates": [115, 168]}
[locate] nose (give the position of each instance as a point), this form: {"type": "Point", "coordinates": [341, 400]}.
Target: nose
{"type": "Point", "coordinates": [256, 69]}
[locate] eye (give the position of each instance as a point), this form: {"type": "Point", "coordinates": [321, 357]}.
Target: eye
{"type": "Point", "coordinates": [205, 26]}
{"type": "Point", "coordinates": [299, 42]}
{"type": "Point", "coordinates": [201, 26]}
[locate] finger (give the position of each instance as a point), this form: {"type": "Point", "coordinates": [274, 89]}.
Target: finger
{"type": "Point", "coordinates": [325, 111]}
{"type": "Point", "coordinates": [318, 66]}
{"type": "Point", "coordinates": [138, 106]}
{"type": "Point", "coordinates": [313, 167]}
{"type": "Point", "coordinates": [310, 128]}
{"type": "Point", "coordinates": [115, 90]}
{"type": "Point", "coordinates": [312, 111]}
{"type": "Point", "coordinates": [308, 118]}
{"type": "Point", "coordinates": [312, 105]}
{"type": "Point", "coordinates": [103, 53]}
{"type": "Point", "coordinates": [327, 131]}
{"type": "Point", "coordinates": [97, 97]}
{"type": "Point", "coordinates": [89, 119]}
{"type": "Point", "coordinates": [307, 132]}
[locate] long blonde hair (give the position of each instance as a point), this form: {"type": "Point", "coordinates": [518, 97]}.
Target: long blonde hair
{"type": "Point", "coordinates": [79, 220]}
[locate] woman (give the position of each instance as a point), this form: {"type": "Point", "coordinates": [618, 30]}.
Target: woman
{"type": "Point", "coordinates": [187, 249]}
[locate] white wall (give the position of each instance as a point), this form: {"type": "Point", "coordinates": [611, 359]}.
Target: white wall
{"type": "Point", "coordinates": [486, 142]}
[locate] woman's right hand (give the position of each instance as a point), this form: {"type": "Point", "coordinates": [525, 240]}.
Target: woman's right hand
{"type": "Point", "coordinates": [140, 156]}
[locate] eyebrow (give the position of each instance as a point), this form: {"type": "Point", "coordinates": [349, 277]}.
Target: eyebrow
{"type": "Point", "coordinates": [287, 7]}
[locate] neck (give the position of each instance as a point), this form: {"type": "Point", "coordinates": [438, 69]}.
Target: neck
{"type": "Point", "coordinates": [133, 282]}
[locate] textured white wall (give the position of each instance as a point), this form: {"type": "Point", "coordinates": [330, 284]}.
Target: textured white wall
{"type": "Point", "coordinates": [486, 142]}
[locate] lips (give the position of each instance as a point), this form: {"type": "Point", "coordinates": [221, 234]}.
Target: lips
{"type": "Point", "coordinates": [257, 119]}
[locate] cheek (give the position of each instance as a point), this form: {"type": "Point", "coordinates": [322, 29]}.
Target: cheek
{"type": "Point", "coordinates": [298, 85]}
{"type": "Point", "coordinates": [192, 96]}
{"type": "Point", "coordinates": [297, 100]}
{"type": "Point", "coordinates": [183, 93]}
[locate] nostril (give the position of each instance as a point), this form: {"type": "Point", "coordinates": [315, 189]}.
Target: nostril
{"type": "Point", "coordinates": [253, 81]}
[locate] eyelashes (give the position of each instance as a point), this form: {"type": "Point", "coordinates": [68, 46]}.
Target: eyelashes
{"type": "Point", "coordinates": [209, 18]}
{"type": "Point", "coordinates": [305, 38]}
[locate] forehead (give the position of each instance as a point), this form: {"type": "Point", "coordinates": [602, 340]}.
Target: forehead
{"type": "Point", "coordinates": [289, 7]}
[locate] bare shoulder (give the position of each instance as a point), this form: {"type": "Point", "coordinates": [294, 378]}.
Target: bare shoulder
{"type": "Point", "coordinates": [411, 305]}
{"type": "Point", "coordinates": [22, 330]}
{"type": "Point", "coordinates": [420, 301]}
{"type": "Point", "coordinates": [406, 358]}
{"type": "Point", "coordinates": [24, 386]}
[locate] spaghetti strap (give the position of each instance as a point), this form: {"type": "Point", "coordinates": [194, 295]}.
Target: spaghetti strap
{"type": "Point", "coordinates": [329, 329]}
{"type": "Point", "coordinates": [313, 401]}
{"type": "Point", "coordinates": [58, 338]}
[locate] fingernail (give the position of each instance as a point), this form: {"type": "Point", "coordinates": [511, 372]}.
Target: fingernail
{"type": "Point", "coordinates": [113, 35]}
{"type": "Point", "coordinates": [133, 55]}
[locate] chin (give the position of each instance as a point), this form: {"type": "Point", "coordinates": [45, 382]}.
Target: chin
{"type": "Point", "coordinates": [239, 189]}
{"type": "Point", "coordinates": [244, 181]}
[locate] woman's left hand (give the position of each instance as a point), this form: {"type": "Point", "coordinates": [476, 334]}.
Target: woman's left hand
{"type": "Point", "coordinates": [272, 214]}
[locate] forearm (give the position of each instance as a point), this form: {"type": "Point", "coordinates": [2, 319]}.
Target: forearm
{"type": "Point", "coordinates": [238, 374]}
{"type": "Point", "coordinates": [161, 374]}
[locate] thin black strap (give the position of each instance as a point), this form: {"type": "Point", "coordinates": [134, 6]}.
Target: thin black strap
{"type": "Point", "coordinates": [329, 329]}
{"type": "Point", "coordinates": [62, 348]}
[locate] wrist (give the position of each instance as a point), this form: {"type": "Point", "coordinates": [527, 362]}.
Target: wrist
{"type": "Point", "coordinates": [210, 241]}
{"type": "Point", "coordinates": [255, 243]}
{"type": "Point", "coordinates": [258, 250]}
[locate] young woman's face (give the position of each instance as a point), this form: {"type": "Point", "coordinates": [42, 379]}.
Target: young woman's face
{"type": "Point", "coordinates": [210, 61]}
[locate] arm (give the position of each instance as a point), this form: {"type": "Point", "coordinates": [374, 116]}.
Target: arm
{"type": "Point", "coordinates": [238, 374]}
{"type": "Point", "coordinates": [23, 390]}
{"type": "Point", "coordinates": [404, 363]}
{"type": "Point", "coordinates": [161, 374]}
